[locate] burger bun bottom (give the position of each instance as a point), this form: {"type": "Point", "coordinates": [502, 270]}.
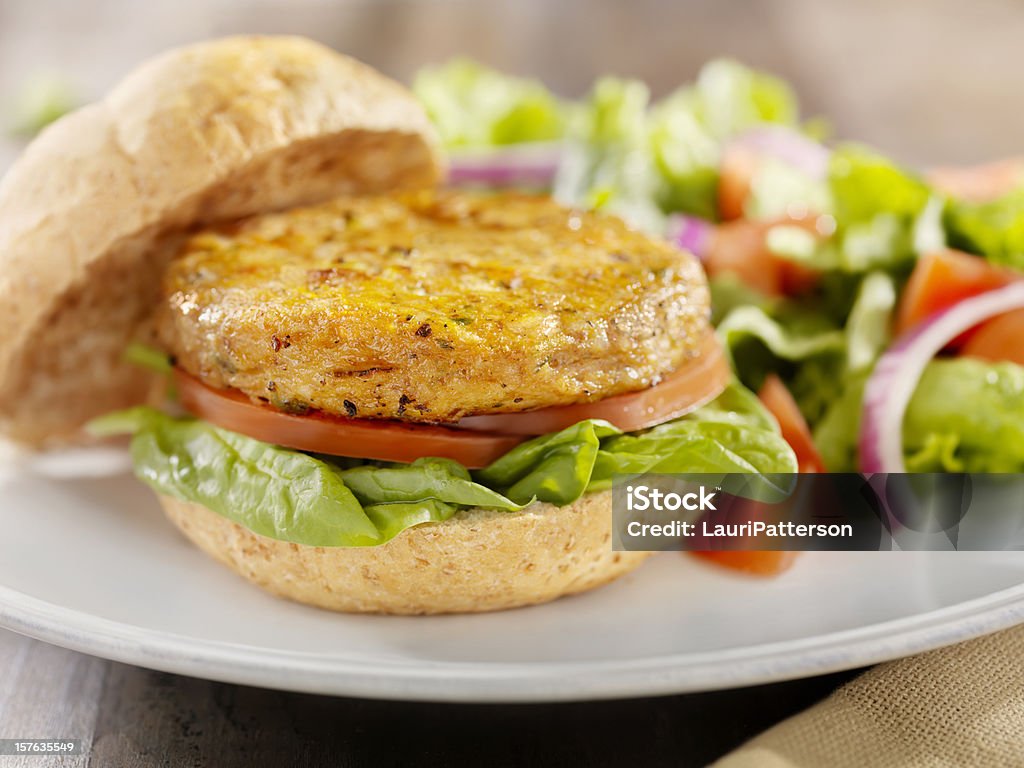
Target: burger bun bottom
{"type": "Point", "coordinates": [479, 560]}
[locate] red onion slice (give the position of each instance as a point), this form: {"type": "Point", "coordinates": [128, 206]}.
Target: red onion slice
{"type": "Point", "coordinates": [529, 165]}
{"type": "Point", "coordinates": [898, 371]}
{"type": "Point", "coordinates": [789, 146]}
{"type": "Point", "coordinates": [691, 233]}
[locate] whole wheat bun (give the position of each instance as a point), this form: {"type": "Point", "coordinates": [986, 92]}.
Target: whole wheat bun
{"type": "Point", "coordinates": [93, 209]}
{"type": "Point", "coordinates": [100, 201]}
{"type": "Point", "coordinates": [479, 560]}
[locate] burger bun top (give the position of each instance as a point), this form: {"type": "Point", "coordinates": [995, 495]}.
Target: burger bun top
{"type": "Point", "coordinates": [98, 203]}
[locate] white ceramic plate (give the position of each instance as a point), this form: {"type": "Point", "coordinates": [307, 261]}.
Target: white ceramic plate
{"type": "Point", "coordinates": [88, 562]}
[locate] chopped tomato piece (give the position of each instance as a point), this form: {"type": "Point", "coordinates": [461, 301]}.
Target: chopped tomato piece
{"type": "Point", "coordinates": [783, 407]}
{"type": "Point", "coordinates": [735, 176]}
{"type": "Point", "coordinates": [979, 183]}
{"type": "Point", "coordinates": [739, 247]}
{"type": "Point", "coordinates": [1000, 339]}
{"type": "Point", "coordinates": [332, 435]}
{"type": "Point", "coordinates": [943, 278]}
{"type": "Point", "coordinates": [758, 563]}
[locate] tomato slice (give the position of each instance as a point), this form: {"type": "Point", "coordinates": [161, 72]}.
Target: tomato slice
{"type": "Point", "coordinates": [318, 432]}
{"type": "Point", "coordinates": [941, 279]}
{"type": "Point", "coordinates": [999, 339]}
{"type": "Point", "coordinates": [778, 400]}
{"type": "Point", "coordinates": [694, 384]}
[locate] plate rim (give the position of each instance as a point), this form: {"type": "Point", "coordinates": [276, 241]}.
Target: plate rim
{"type": "Point", "coordinates": [510, 682]}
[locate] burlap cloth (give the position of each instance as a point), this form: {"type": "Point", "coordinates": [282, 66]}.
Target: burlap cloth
{"type": "Point", "coordinates": [957, 706]}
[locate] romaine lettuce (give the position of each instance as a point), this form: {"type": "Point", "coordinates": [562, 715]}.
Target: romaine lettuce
{"type": "Point", "coordinates": [867, 328]}
{"type": "Point", "coordinates": [865, 185]}
{"type": "Point", "coordinates": [765, 335]}
{"type": "Point", "coordinates": [792, 336]}
{"type": "Point", "coordinates": [607, 166]}
{"type": "Point", "coordinates": [778, 188]}
{"type": "Point", "coordinates": [993, 229]}
{"type": "Point", "coordinates": [689, 127]}
{"type": "Point", "coordinates": [474, 106]}
{"type": "Point", "coordinates": [732, 98]}
{"type": "Point", "coordinates": [966, 415]}
{"type": "Point", "coordinates": [879, 213]}
{"type": "Point", "coordinates": [801, 341]}
{"type": "Point", "coordinates": [640, 163]}
{"type": "Point", "coordinates": [835, 434]}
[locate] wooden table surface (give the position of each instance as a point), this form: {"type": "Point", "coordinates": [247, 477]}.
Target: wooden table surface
{"type": "Point", "coordinates": [133, 717]}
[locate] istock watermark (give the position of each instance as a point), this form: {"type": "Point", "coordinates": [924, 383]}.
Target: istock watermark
{"type": "Point", "coordinates": [640, 498]}
{"type": "Point", "coordinates": [837, 511]}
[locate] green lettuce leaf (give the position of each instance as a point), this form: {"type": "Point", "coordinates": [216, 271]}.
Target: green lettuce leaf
{"type": "Point", "coordinates": [865, 185]}
{"type": "Point", "coordinates": [992, 229]}
{"type": "Point", "coordinates": [778, 187]}
{"type": "Point", "coordinates": [148, 357]}
{"type": "Point", "coordinates": [819, 381]}
{"type": "Point", "coordinates": [732, 98]}
{"type": "Point", "coordinates": [289, 495]}
{"type": "Point", "coordinates": [795, 336]}
{"type": "Point", "coordinates": [429, 478]}
{"type": "Point", "coordinates": [475, 107]}
{"type": "Point", "coordinates": [966, 415]}
{"type": "Point", "coordinates": [802, 343]}
{"type": "Point", "coordinates": [689, 127]}
{"type": "Point", "coordinates": [767, 334]}
{"type": "Point", "coordinates": [728, 292]}
{"type": "Point", "coordinates": [686, 156]}
{"type": "Point", "coordinates": [292, 496]}
{"type": "Point", "coordinates": [867, 331]}
{"type": "Point", "coordinates": [607, 166]}
{"type": "Point", "coordinates": [391, 519]}
{"type": "Point", "coordinates": [835, 434]}
{"type": "Point", "coordinates": [816, 384]}
{"type": "Point", "coordinates": [732, 434]}
{"type": "Point", "coordinates": [554, 468]}
{"type": "Point", "coordinates": [883, 215]}
{"type": "Point", "coordinates": [641, 163]}
{"type": "Point", "coordinates": [936, 452]}
{"type": "Point", "coordinates": [275, 492]}
{"type": "Point", "coordinates": [777, 336]}
{"type": "Point", "coordinates": [737, 406]}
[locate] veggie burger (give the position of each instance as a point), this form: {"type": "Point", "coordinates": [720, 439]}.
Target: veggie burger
{"type": "Point", "coordinates": [390, 397]}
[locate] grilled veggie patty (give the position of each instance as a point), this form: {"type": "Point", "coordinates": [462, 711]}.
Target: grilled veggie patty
{"type": "Point", "coordinates": [431, 306]}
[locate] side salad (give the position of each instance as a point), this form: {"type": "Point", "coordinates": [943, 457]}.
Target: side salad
{"type": "Point", "coordinates": [878, 310]}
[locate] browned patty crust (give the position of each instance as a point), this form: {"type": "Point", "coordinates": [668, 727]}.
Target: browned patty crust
{"type": "Point", "coordinates": [432, 306]}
